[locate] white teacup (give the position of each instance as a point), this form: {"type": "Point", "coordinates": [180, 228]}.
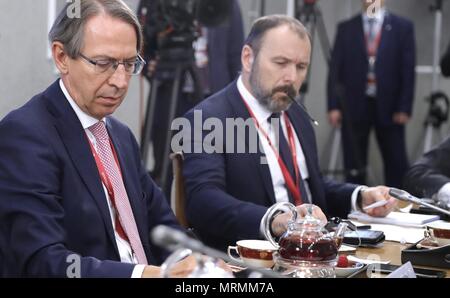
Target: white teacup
{"type": "Point", "coordinates": [258, 253]}
{"type": "Point", "coordinates": [440, 230]}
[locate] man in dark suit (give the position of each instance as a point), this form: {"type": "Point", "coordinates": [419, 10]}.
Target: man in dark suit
{"type": "Point", "coordinates": [429, 177]}
{"type": "Point", "coordinates": [217, 63]}
{"type": "Point", "coordinates": [445, 63]}
{"type": "Point", "coordinates": [229, 183]}
{"type": "Point", "coordinates": [371, 85]}
{"type": "Point", "coordinates": [75, 200]}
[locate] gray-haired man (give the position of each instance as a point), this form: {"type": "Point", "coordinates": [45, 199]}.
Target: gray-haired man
{"type": "Point", "coordinates": [75, 200]}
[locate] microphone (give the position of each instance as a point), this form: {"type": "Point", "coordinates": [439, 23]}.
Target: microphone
{"type": "Point", "coordinates": [172, 239]}
{"type": "Point", "coordinates": [314, 121]}
{"type": "Point", "coordinates": [402, 195]}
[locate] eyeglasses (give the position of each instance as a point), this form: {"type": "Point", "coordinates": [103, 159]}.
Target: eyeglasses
{"type": "Point", "coordinates": [109, 65]}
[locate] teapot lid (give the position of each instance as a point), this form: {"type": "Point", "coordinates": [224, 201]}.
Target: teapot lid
{"type": "Point", "coordinates": [309, 220]}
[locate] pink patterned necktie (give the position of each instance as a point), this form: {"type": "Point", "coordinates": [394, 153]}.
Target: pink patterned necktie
{"type": "Point", "coordinates": [121, 201]}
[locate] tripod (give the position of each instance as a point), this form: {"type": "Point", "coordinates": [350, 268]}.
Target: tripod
{"type": "Point", "coordinates": [171, 71]}
{"type": "Point", "coordinates": [310, 15]}
{"type": "Point", "coordinates": [439, 102]}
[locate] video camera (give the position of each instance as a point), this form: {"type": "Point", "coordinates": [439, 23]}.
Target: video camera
{"type": "Point", "coordinates": [439, 109]}
{"type": "Point", "coordinates": [171, 26]}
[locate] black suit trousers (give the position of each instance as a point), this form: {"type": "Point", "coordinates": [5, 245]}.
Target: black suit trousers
{"type": "Point", "coordinates": [391, 142]}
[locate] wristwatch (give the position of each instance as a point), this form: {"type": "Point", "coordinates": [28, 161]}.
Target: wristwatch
{"type": "Point", "coordinates": [359, 198]}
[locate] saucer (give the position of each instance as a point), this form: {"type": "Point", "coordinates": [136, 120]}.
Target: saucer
{"type": "Point", "coordinates": [346, 271]}
{"type": "Point", "coordinates": [346, 249]}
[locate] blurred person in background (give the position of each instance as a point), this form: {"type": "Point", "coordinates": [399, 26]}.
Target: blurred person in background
{"type": "Point", "coordinates": [445, 63]}
{"type": "Point", "coordinates": [371, 86]}
{"type": "Point", "coordinates": [217, 51]}
{"type": "Point", "coordinates": [75, 200]}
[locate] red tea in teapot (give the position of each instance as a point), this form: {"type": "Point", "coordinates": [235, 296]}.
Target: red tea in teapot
{"type": "Point", "coordinates": [296, 248]}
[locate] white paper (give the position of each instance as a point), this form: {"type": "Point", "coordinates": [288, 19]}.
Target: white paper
{"type": "Point", "coordinates": [399, 233]}
{"type": "Point", "coordinates": [405, 271]}
{"type": "Point", "coordinates": [367, 261]}
{"type": "Point", "coordinates": [396, 218]}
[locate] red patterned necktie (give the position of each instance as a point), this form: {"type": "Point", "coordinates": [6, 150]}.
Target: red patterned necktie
{"type": "Point", "coordinates": [286, 155]}
{"type": "Point", "coordinates": [120, 198]}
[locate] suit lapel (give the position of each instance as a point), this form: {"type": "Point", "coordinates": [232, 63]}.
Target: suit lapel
{"type": "Point", "coordinates": [360, 35]}
{"type": "Point", "coordinates": [303, 131]}
{"type": "Point", "coordinates": [76, 143]}
{"type": "Point", "coordinates": [386, 30]}
{"type": "Point", "coordinates": [240, 111]}
{"type": "Point", "coordinates": [306, 137]}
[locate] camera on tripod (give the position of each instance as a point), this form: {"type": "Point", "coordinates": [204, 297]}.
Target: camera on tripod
{"type": "Point", "coordinates": [170, 29]}
{"type": "Point", "coordinates": [172, 26]}
{"type": "Point", "coordinates": [439, 109]}
{"type": "Point", "coordinates": [177, 28]}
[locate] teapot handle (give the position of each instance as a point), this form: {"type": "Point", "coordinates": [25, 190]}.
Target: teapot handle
{"type": "Point", "coordinates": [175, 257]}
{"type": "Point", "coordinates": [271, 212]}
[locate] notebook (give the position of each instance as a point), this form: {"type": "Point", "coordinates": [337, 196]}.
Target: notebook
{"type": "Point", "coordinates": [395, 218]}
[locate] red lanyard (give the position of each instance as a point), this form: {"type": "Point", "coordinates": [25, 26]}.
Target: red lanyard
{"type": "Point", "coordinates": [373, 46]}
{"type": "Point", "coordinates": [107, 182]}
{"type": "Point", "coordinates": [294, 187]}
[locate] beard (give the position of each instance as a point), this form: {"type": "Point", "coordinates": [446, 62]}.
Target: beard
{"type": "Point", "coordinates": [274, 102]}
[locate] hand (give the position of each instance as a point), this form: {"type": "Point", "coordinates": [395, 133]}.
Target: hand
{"type": "Point", "coordinates": [372, 194]}
{"type": "Point", "coordinates": [335, 118]}
{"type": "Point", "coordinates": [280, 222]}
{"type": "Point", "coordinates": [400, 118]}
{"type": "Point", "coordinates": [181, 269]}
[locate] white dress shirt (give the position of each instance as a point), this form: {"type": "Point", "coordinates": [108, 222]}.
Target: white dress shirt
{"type": "Point", "coordinates": [261, 115]}
{"type": "Point", "coordinates": [378, 19]}
{"type": "Point", "coordinates": [125, 251]}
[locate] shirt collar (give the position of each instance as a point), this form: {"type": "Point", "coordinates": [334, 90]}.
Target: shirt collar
{"type": "Point", "coordinates": [85, 119]}
{"type": "Point", "coordinates": [379, 15]}
{"type": "Point", "coordinates": [261, 112]}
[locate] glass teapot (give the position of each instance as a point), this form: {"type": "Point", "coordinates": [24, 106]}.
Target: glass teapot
{"type": "Point", "coordinates": [306, 243]}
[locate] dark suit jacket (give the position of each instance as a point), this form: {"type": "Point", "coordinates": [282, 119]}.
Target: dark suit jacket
{"type": "Point", "coordinates": [394, 69]}
{"type": "Point", "coordinates": [52, 203]}
{"type": "Point", "coordinates": [430, 172]}
{"type": "Point", "coordinates": [228, 193]}
{"type": "Point", "coordinates": [224, 50]}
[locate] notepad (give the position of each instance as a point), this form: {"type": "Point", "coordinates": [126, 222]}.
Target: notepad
{"type": "Point", "coordinates": [395, 218]}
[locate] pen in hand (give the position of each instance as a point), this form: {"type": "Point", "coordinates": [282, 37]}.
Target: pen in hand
{"type": "Point", "coordinates": [375, 205]}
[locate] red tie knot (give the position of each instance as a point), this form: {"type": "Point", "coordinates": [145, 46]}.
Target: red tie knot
{"type": "Point", "coordinates": [99, 130]}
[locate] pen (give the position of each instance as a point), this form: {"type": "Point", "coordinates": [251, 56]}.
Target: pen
{"type": "Point", "coordinates": [375, 205]}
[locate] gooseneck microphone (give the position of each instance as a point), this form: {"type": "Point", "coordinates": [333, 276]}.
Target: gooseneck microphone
{"type": "Point", "coordinates": [405, 196]}
{"type": "Point", "coordinates": [173, 239]}
{"type": "Point", "coordinates": [314, 121]}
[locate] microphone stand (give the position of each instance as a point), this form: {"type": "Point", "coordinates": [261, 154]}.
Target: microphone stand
{"type": "Point", "coordinates": [173, 239]}
{"type": "Point", "coordinates": [405, 196]}
{"type": "Point", "coordinates": [314, 121]}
